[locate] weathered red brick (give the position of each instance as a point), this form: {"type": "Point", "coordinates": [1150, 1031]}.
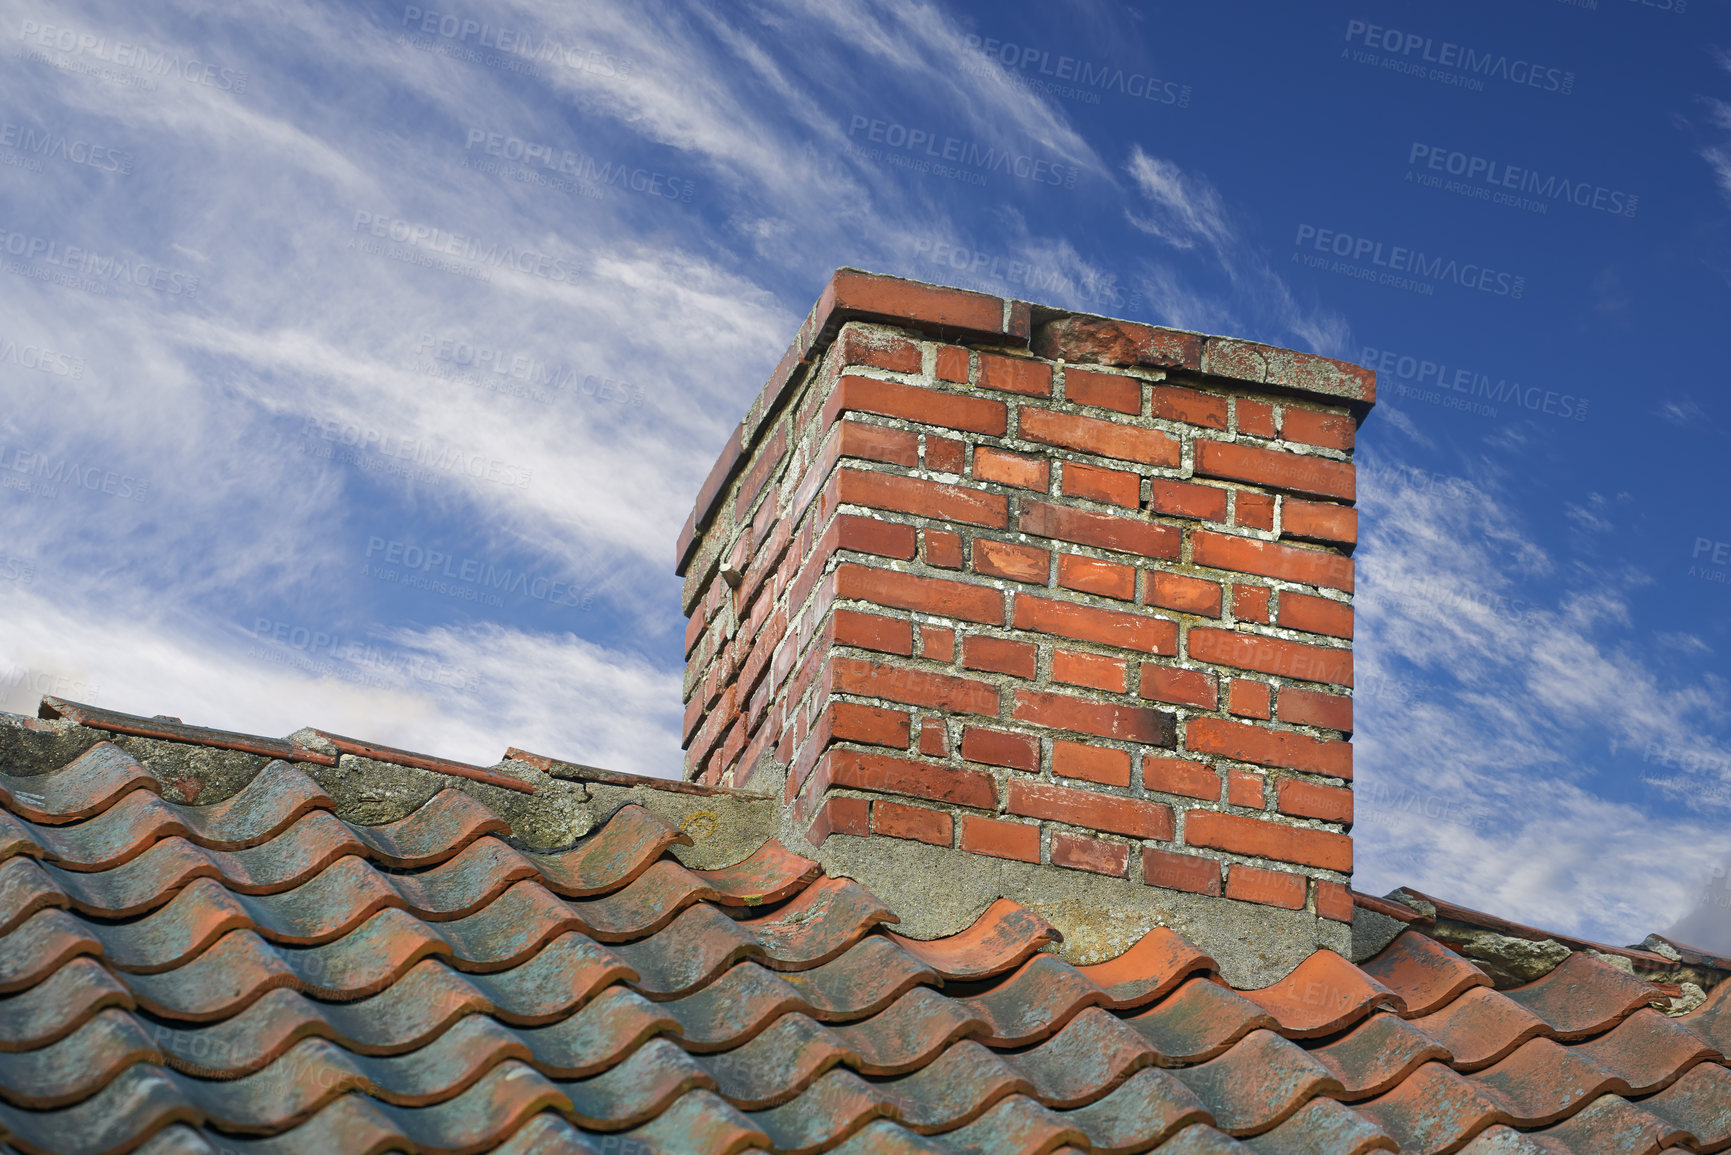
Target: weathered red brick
{"type": "Point", "coordinates": [913, 403]}
{"type": "Point", "coordinates": [1112, 813]}
{"type": "Point", "coordinates": [861, 534]}
{"type": "Point", "coordinates": [1186, 594]}
{"type": "Point", "coordinates": [1180, 776]}
{"type": "Point", "coordinates": [1248, 699]}
{"type": "Point", "coordinates": [1015, 375]}
{"type": "Point", "coordinates": [938, 643]}
{"type": "Point", "coordinates": [881, 350]}
{"type": "Point", "coordinates": [1314, 800]}
{"type": "Point", "coordinates": [1314, 708]}
{"type": "Point", "coordinates": [1102, 530]}
{"type": "Point", "coordinates": [1103, 390]}
{"type": "Point", "coordinates": [1318, 521]}
{"type": "Point", "coordinates": [1092, 854]}
{"type": "Point", "coordinates": [945, 454]}
{"type": "Point", "coordinates": [1008, 559]}
{"type": "Point", "coordinates": [1112, 486]}
{"type": "Point", "coordinates": [926, 498]}
{"type": "Point", "coordinates": [915, 823]}
{"type": "Point", "coordinates": [1102, 719]}
{"type": "Point", "coordinates": [1096, 671]}
{"type": "Point", "coordinates": [1000, 656]}
{"type": "Point", "coordinates": [1317, 615]}
{"type": "Point", "coordinates": [1250, 603]}
{"type": "Point", "coordinates": [840, 815]}
{"type": "Point", "coordinates": [935, 738]}
{"type": "Point", "coordinates": [1268, 655]}
{"type": "Point", "coordinates": [1180, 871]}
{"type": "Point", "coordinates": [1331, 900]}
{"type": "Point", "coordinates": [1269, 559]}
{"type": "Point", "coordinates": [1179, 687]}
{"type": "Point", "coordinates": [1103, 764]}
{"type": "Point", "coordinates": [1102, 341]}
{"type": "Point", "coordinates": [872, 632]}
{"type": "Point", "coordinates": [950, 599]}
{"type": "Point", "coordinates": [1006, 468]}
{"type": "Point", "coordinates": [1253, 510]}
{"type": "Point", "coordinates": [871, 725]}
{"type": "Point", "coordinates": [1131, 631]}
{"type": "Point", "coordinates": [1000, 748]}
{"type": "Point", "coordinates": [1313, 427]}
{"type": "Point", "coordinates": [1015, 840]}
{"type": "Point", "coordinates": [943, 549]}
{"type": "Point", "coordinates": [915, 687]}
{"type": "Point", "coordinates": [1187, 405]}
{"type": "Point", "coordinates": [1274, 468]}
{"type": "Point", "coordinates": [913, 304]}
{"type": "Point", "coordinates": [952, 363]}
{"type": "Point", "coordinates": [1242, 834]}
{"type": "Point", "coordinates": [1092, 575]}
{"type": "Point", "coordinates": [872, 442]}
{"type": "Point", "coordinates": [1286, 749]}
{"type": "Point", "coordinates": [865, 770]}
{"type": "Point", "coordinates": [1182, 499]}
{"type": "Point", "coordinates": [1098, 436]}
{"type": "Point", "coordinates": [1255, 417]}
{"type": "Point", "coordinates": [1246, 788]}
{"type": "Point", "coordinates": [1268, 887]}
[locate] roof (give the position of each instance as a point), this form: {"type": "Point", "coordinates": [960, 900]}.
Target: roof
{"type": "Point", "coordinates": [265, 973]}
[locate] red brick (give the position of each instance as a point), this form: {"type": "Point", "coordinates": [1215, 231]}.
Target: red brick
{"type": "Point", "coordinates": [1102, 764]}
{"type": "Point", "coordinates": [1000, 748]}
{"type": "Point", "coordinates": [926, 498]}
{"type": "Point", "coordinates": [874, 443]}
{"type": "Point", "coordinates": [1314, 708]}
{"type": "Point", "coordinates": [1102, 530]}
{"type": "Point", "coordinates": [1188, 405]}
{"type": "Point", "coordinates": [1016, 840]}
{"type": "Point", "coordinates": [1091, 575]}
{"type": "Point", "coordinates": [915, 823]}
{"type": "Point", "coordinates": [1241, 834]}
{"type": "Point", "coordinates": [865, 770]}
{"type": "Point", "coordinates": [1179, 687]}
{"type": "Point", "coordinates": [943, 549]}
{"type": "Point", "coordinates": [1180, 776]}
{"type": "Point", "coordinates": [769, 457]}
{"type": "Point", "coordinates": [1269, 559]}
{"type": "Point", "coordinates": [938, 643]}
{"type": "Point", "coordinates": [940, 596]}
{"type": "Point", "coordinates": [1332, 900]}
{"type": "Point", "coordinates": [1113, 486]}
{"type": "Point", "coordinates": [1100, 341]}
{"type": "Point", "coordinates": [1098, 436]}
{"type": "Point", "coordinates": [1313, 427]}
{"type": "Point", "coordinates": [913, 403]}
{"type": "Point", "coordinates": [866, 535]}
{"type": "Point", "coordinates": [1253, 510]}
{"type": "Point", "coordinates": [952, 363]}
{"type": "Point", "coordinates": [872, 632]}
{"type": "Point", "coordinates": [1248, 699]}
{"type": "Point", "coordinates": [1268, 655]}
{"type": "Point", "coordinates": [1318, 521]}
{"type": "Point", "coordinates": [944, 455]}
{"type": "Point", "coordinates": [1187, 594]}
{"type": "Point", "coordinates": [1000, 656]}
{"type": "Point", "coordinates": [1096, 671]}
{"type": "Point", "coordinates": [1130, 631]}
{"type": "Point", "coordinates": [1255, 417]}
{"type": "Point", "coordinates": [935, 738]}
{"type": "Point", "coordinates": [1006, 559]}
{"type": "Point", "coordinates": [1250, 603]}
{"type": "Point", "coordinates": [1314, 800]}
{"type": "Point", "coordinates": [879, 349]}
{"type": "Point", "coordinates": [1103, 720]}
{"type": "Point", "coordinates": [1180, 871]}
{"type": "Point", "coordinates": [1268, 887]}
{"type": "Point", "coordinates": [839, 816]}
{"type": "Point", "coordinates": [1112, 813]}
{"type": "Point", "coordinates": [1317, 615]}
{"type": "Point", "coordinates": [1091, 854]}
{"type": "Point", "coordinates": [909, 303]}
{"type": "Point", "coordinates": [1015, 375]}
{"type": "Point", "coordinates": [1244, 788]}
{"type": "Point", "coordinates": [871, 725]}
{"type": "Point", "coordinates": [1286, 749]}
{"type": "Point", "coordinates": [1274, 468]}
{"type": "Point", "coordinates": [915, 687]}
{"type": "Point", "coordinates": [1008, 468]}
{"type": "Point", "coordinates": [1104, 390]}
{"type": "Point", "coordinates": [1182, 499]}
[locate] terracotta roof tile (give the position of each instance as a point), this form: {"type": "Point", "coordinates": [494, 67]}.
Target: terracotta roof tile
{"type": "Point", "coordinates": [261, 975]}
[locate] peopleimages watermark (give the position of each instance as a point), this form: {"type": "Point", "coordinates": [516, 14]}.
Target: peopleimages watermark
{"type": "Point", "coordinates": [1040, 282]}
{"type": "Point", "coordinates": [1513, 185]}
{"type": "Point", "coordinates": [41, 359]}
{"type": "Point", "coordinates": [1071, 77]}
{"type": "Point", "coordinates": [1716, 553]}
{"type": "Point", "coordinates": [925, 150]}
{"type": "Point", "coordinates": [475, 579]}
{"type": "Point", "coordinates": [1458, 65]}
{"type": "Point", "coordinates": [43, 475]}
{"type": "Point", "coordinates": [87, 270]}
{"type": "Point", "coordinates": [1434, 382]}
{"type": "Point", "coordinates": [587, 172]}
{"type": "Point", "coordinates": [1398, 266]}
{"type": "Point", "coordinates": [38, 683]}
{"type": "Point", "coordinates": [16, 569]}
{"type": "Point", "coordinates": [326, 654]}
{"type": "Point", "coordinates": [515, 49]}
{"type": "Point", "coordinates": [139, 58]}
{"type": "Point", "coordinates": [413, 458]}
{"type": "Point", "coordinates": [462, 246]}
{"type": "Point", "coordinates": [516, 373]}
{"type": "Point", "coordinates": [29, 147]}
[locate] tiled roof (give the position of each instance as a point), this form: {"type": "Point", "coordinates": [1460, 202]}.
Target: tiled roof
{"type": "Point", "coordinates": [260, 975]}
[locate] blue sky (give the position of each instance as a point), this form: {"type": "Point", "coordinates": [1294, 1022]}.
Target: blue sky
{"type": "Point", "coordinates": [311, 313]}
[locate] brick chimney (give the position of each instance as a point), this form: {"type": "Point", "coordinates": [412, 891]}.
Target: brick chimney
{"type": "Point", "coordinates": [1009, 601]}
